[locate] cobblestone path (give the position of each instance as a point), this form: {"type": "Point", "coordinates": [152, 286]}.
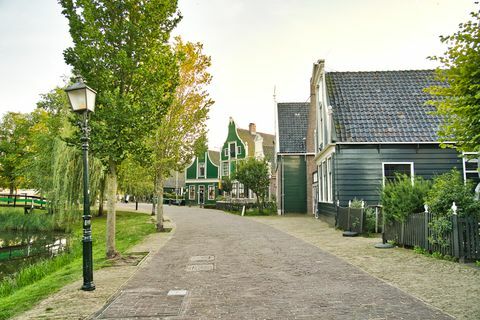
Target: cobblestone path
{"type": "Point", "coordinates": [222, 266]}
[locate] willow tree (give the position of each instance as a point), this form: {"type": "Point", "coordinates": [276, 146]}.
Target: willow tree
{"type": "Point", "coordinates": [182, 131]}
{"type": "Point", "coordinates": [459, 103]}
{"type": "Point", "coordinates": [120, 48]}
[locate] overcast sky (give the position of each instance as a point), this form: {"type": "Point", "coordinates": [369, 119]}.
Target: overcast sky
{"type": "Point", "coordinates": [255, 45]}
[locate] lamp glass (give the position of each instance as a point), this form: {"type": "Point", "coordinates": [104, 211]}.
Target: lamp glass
{"type": "Point", "coordinates": [82, 99]}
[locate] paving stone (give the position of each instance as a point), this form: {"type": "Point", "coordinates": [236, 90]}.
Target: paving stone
{"type": "Point", "coordinates": [259, 273]}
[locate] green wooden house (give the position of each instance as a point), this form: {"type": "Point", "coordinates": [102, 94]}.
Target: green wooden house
{"type": "Point", "coordinates": [371, 125]}
{"type": "Point", "coordinates": [240, 144]}
{"type": "Point", "coordinates": [202, 179]}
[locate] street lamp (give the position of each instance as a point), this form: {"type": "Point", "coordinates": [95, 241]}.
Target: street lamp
{"type": "Point", "coordinates": [82, 100]}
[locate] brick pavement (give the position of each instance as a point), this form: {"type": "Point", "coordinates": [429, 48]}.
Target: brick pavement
{"type": "Point", "coordinates": [222, 266]}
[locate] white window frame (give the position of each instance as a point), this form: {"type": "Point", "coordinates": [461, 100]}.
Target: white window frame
{"type": "Point", "coordinates": [225, 164]}
{"type": "Point", "coordinates": [200, 164]}
{"type": "Point", "coordinates": [201, 187]}
{"type": "Point", "coordinates": [234, 148]}
{"type": "Point", "coordinates": [234, 193]}
{"type": "Point", "coordinates": [329, 180]}
{"type": "Point", "coordinates": [210, 187]}
{"type": "Point", "coordinates": [225, 151]}
{"type": "Point", "coordinates": [190, 188]}
{"type": "Point", "coordinates": [412, 169]}
{"type": "Point", "coordinates": [239, 150]}
{"type": "Point", "coordinates": [464, 163]}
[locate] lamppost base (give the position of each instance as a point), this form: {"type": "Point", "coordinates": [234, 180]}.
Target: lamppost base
{"type": "Point", "coordinates": [90, 286]}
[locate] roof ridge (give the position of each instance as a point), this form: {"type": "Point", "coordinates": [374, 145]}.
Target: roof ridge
{"type": "Point", "coordinates": [382, 71]}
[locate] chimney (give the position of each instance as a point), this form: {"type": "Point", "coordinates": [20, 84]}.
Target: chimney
{"type": "Point", "coordinates": [252, 128]}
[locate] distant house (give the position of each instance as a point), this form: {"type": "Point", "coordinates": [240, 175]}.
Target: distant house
{"type": "Point", "coordinates": [292, 158]}
{"type": "Point", "coordinates": [241, 144]}
{"type": "Point", "coordinates": [371, 125]}
{"type": "Point", "coordinates": [175, 183]}
{"type": "Point", "coordinates": [203, 176]}
{"type": "Point", "coordinates": [201, 179]}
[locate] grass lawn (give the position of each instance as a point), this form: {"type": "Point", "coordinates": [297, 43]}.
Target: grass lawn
{"type": "Point", "coordinates": [36, 282]}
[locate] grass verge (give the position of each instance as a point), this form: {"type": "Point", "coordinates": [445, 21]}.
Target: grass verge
{"type": "Point", "coordinates": [32, 284]}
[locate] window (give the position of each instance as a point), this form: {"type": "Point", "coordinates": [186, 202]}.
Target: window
{"type": "Point", "coordinates": [470, 165]}
{"type": "Point", "coordinates": [211, 192]}
{"type": "Point", "coordinates": [390, 169]}
{"type": "Point", "coordinates": [201, 169]}
{"type": "Point", "coordinates": [232, 150]}
{"type": "Point", "coordinates": [225, 152]}
{"type": "Point", "coordinates": [239, 150]}
{"type": "Point", "coordinates": [329, 180]}
{"type": "Point", "coordinates": [191, 192]}
{"type": "Point", "coordinates": [225, 171]}
{"type": "Point", "coordinates": [234, 190]}
{"type": "Point", "coordinates": [241, 191]}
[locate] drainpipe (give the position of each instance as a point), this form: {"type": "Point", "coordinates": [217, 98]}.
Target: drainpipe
{"type": "Point", "coordinates": [283, 187]}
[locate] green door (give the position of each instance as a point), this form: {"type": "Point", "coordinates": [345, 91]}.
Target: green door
{"type": "Point", "coordinates": [295, 184]}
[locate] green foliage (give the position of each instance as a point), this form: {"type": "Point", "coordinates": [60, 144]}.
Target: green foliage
{"type": "Point", "coordinates": [448, 188]}
{"type": "Point", "coordinates": [227, 184]}
{"type": "Point", "coordinates": [135, 179]}
{"type": "Point", "coordinates": [477, 263]}
{"type": "Point", "coordinates": [370, 219]}
{"type": "Point", "coordinates": [356, 203]}
{"type": "Point", "coordinates": [459, 100]}
{"type": "Point", "coordinates": [400, 197]}
{"type": "Point", "coordinates": [440, 226]}
{"type": "Point", "coordinates": [420, 250]}
{"type": "Point", "coordinates": [253, 174]}
{"type": "Point", "coordinates": [14, 146]}
{"type": "Point", "coordinates": [38, 220]}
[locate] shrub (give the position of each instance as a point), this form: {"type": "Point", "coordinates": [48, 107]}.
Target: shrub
{"type": "Point", "coordinates": [448, 188]}
{"type": "Point", "coordinates": [400, 197]}
{"type": "Point", "coordinates": [370, 219]}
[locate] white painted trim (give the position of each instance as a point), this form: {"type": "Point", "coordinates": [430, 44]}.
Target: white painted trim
{"type": "Point", "coordinates": [201, 181]}
{"type": "Point", "coordinates": [326, 152]}
{"type": "Point", "coordinates": [194, 191]}
{"type": "Point", "coordinates": [412, 169]}
{"type": "Point", "coordinates": [295, 154]}
{"type": "Point", "coordinates": [208, 191]}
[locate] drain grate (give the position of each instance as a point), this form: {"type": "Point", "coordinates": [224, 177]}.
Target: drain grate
{"type": "Point", "coordinates": [143, 304]}
{"type": "Point", "coordinates": [202, 258]}
{"type": "Point", "coordinates": [200, 267]}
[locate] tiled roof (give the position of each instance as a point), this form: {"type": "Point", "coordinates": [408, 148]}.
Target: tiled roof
{"type": "Point", "coordinates": [214, 157]}
{"type": "Point", "coordinates": [246, 136]}
{"type": "Point", "coordinates": [292, 126]}
{"type": "Point", "coordinates": [382, 106]}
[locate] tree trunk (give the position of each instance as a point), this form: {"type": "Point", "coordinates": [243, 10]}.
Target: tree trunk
{"type": "Point", "coordinates": [159, 193]}
{"type": "Point", "coordinates": [101, 196]}
{"type": "Point", "coordinates": [12, 187]}
{"type": "Point", "coordinates": [111, 202]}
{"type": "Point", "coordinates": [154, 197]}
{"type": "Point", "coordinates": [258, 204]}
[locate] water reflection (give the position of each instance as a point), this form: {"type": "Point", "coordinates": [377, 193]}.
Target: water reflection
{"type": "Point", "coordinates": [19, 249]}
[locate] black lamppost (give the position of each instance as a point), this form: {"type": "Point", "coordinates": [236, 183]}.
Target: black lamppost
{"type": "Point", "coordinates": [82, 100]}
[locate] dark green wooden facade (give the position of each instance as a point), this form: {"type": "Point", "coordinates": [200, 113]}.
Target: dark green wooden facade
{"type": "Point", "coordinates": [293, 183]}
{"type": "Point", "coordinates": [204, 187]}
{"type": "Point", "coordinates": [358, 169]}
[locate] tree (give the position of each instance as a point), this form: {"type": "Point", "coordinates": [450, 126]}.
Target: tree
{"type": "Point", "coordinates": [14, 146]}
{"type": "Point", "coordinates": [182, 131]}
{"type": "Point", "coordinates": [227, 184]}
{"type": "Point", "coordinates": [121, 49]}
{"type": "Point", "coordinates": [459, 102]}
{"type": "Point", "coordinates": [254, 175]}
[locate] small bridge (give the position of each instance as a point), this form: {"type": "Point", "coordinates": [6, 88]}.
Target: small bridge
{"type": "Point", "coordinates": [22, 201]}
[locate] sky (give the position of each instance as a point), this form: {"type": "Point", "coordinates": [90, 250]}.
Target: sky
{"type": "Point", "coordinates": [255, 46]}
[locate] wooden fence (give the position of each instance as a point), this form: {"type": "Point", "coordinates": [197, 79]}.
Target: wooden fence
{"type": "Point", "coordinates": [354, 219]}
{"type": "Point", "coordinates": [461, 242]}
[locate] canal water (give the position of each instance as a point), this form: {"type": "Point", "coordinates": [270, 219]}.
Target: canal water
{"type": "Point", "coordinates": [20, 249]}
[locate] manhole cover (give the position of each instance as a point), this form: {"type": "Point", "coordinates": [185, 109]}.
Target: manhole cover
{"type": "Point", "coordinates": [143, 304]}
{"type": "Point", "coordinates": [200, 267]}
{"type": "Point", "coordinates": [202, 258]}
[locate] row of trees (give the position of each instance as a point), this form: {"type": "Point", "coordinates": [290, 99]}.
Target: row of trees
{"type": "Point", "coordinates": [150, 113]}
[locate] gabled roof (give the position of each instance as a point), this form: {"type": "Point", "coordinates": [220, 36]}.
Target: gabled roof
{"type": "Point", "coordinates": [382, 106]}
{"type": "Point", "coordinates": [214, 157]}
{"type": "Point", "coordinates": [268, 142]}
{"type": "Point", "coordinates": [292, 126]}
